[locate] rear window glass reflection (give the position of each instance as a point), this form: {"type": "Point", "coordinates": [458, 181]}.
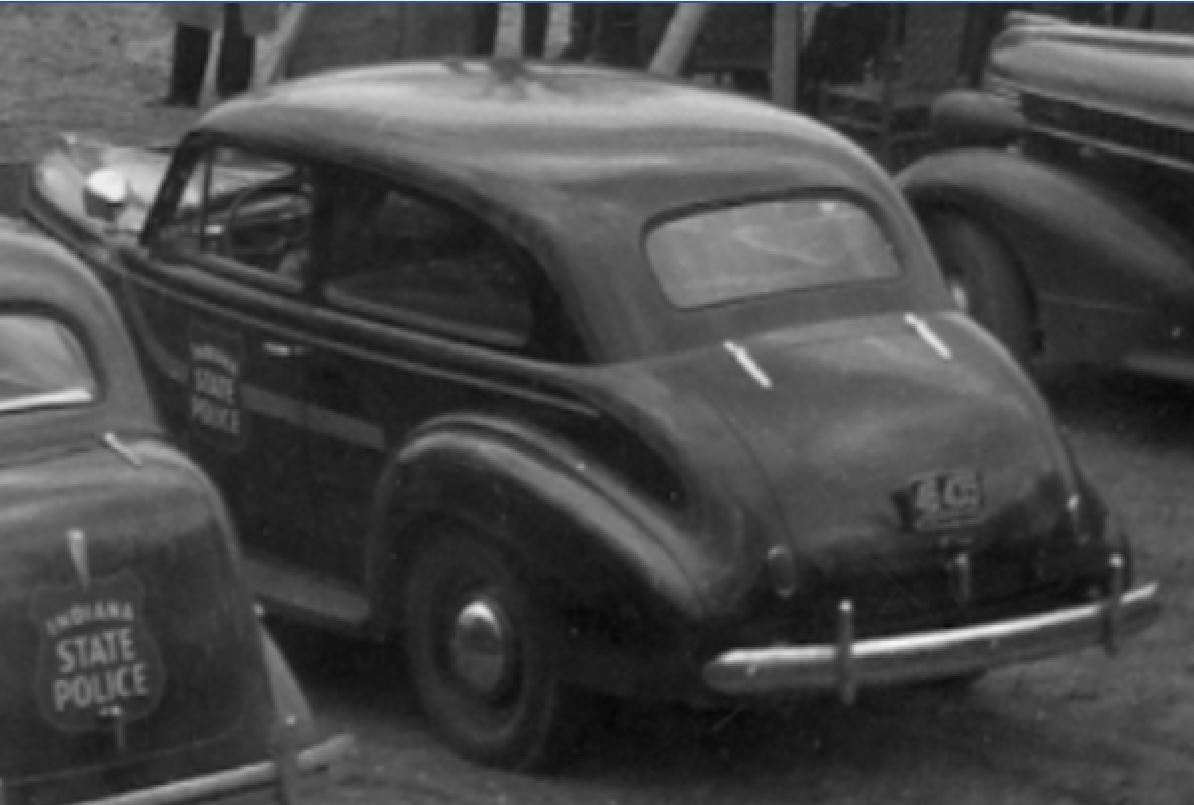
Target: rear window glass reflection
{"type": "Point", "coordinates": [752, 250]}
{"type": "Point", "coordinates": [42, 365]}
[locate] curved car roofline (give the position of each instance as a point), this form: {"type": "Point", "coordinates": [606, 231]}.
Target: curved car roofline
{"type": "Point", "coordinates": [561, 123]}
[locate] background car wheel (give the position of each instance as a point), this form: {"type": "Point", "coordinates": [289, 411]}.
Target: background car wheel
{"type": "Point", "coordinates": [984, 281]}
{"type": "Point", "coordinates": [482, 656]}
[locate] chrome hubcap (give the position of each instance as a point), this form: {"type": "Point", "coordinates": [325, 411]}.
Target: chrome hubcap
{"type": "Point", "coordinates": [482, 648]}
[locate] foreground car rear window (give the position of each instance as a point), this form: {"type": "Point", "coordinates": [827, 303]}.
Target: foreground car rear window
{"type": "Point", "coordinates": [762, 248]}
{"type": "Point", "coordinates": [42, 365]}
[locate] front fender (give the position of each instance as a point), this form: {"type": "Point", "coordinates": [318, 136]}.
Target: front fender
{"type": "Point", "coordinates": [588, 540]}
{"type": "Point", "coordinates": [1075, 240]}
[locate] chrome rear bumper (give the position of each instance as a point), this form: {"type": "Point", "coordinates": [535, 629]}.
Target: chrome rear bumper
{"type": "Point", "coordinates": [849, 664]}
{"type": "Point", "coordinates": [269, 781]}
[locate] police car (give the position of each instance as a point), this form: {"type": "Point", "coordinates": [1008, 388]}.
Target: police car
{"type": "Point", "coordinates": [577, 381]}
{"type": "Point", "coordinates": [133, 668]}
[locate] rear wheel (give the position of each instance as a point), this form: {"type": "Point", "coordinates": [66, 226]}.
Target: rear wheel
{"type": "Point", "coordinates": [984, 280]}
{"type": "Point", "coordinates": [483, 657]}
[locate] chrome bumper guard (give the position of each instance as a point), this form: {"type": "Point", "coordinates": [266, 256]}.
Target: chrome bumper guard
{"type": "Point", "coordinates": [268, 780]}
{"type": "Point", "coordinates": [848, 664]}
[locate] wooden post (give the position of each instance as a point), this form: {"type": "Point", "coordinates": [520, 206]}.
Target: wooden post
{"type": "Point", "coordinates": [888, 64]}
{"type": "Point", "coordinates": [681, 35]}
{"type": "Point", "coordinates": [275, 50]}
{"type": "Point", "coordinates": [786, 33]}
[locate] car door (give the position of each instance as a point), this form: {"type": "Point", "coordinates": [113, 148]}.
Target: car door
{"type": "Point", "coordinates": [428, 305]}
{"type": "Point", "coordinates": [216, 301]}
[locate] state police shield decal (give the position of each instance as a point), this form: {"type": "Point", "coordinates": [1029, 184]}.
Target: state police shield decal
{"type": "Point", "coordinates": [97, 660]}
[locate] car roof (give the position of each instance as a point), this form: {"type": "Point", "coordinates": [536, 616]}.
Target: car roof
{"type": "Point", "coordinates": [578, 159]}
{"type": "Point", "coordinates": [37, 274]}
{"type": "Point", "coordinates": [552, 124]}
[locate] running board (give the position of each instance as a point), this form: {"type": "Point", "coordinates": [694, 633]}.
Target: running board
{"type": "Point", "coordinates": [298, 594]}
{"type": "Point", "coordinates": [1168, 367]}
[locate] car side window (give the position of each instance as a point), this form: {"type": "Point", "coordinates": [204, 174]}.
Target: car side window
{"type": "Point", "coordinates": [252, 210]}
{"type": "Point", "coordinates": [42, 365]}
{"type": "Point", "coordinates": [405, 258]}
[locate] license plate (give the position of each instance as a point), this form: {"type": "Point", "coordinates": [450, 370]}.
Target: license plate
{"type": "Point", "coordinates": [943, 500]}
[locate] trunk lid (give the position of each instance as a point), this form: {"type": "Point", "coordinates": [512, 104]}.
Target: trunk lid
{"type": "Point", "coordinates": [129, 660]}
{"type": "Point", "coordinates": [887, 449]}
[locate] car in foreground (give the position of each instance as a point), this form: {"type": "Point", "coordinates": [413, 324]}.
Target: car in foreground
{"type": "Point", "coordinates": [134, 669]}
{"type": "Point", "coordinates": [581, 382]}
{"type": "Point", "coordinates": [1060, 209]}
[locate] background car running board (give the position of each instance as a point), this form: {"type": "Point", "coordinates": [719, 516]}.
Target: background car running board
{"type": "Point", "coordinates": [293, 593]}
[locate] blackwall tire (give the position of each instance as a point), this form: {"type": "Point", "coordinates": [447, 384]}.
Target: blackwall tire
{"type": "Point", "coordinates": [985, 281]}
{"type": "Point", "coordinates": [483, 658]}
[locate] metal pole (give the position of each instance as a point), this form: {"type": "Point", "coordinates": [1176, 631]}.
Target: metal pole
{"type": "Point", "coordinates": [786, 25]}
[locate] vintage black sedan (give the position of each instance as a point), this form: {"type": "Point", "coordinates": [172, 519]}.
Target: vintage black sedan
{"type": "Point", "coordinates": [133, 668]}
{"type": "Point", "coordinates": [585, 382]}
{"type": "Point", "coordinates": [1060, 211]}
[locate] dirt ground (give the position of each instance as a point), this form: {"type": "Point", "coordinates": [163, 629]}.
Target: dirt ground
{"type": "Point", "coordinates": [1086, 730]}
{"type": "Point", "coordinates": [81, 66]}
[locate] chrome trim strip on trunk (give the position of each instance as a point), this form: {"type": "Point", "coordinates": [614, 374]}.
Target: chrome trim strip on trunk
{"type": "Point", "coordinates": [927, 655]}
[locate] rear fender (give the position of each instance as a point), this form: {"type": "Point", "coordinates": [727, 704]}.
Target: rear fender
{"type": "Point", "coordinates": [586, 539]}
{"type": "Point", "coordinates": [1075, 241]}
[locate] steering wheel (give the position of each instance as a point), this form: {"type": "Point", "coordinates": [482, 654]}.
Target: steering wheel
{"type": "Point", "coordinates": [280, 224]}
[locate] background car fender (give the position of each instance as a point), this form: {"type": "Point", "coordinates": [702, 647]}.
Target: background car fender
{"type": "Point", "coordinates": [516, 484]}
{"type": "Point", "coordinates": [1073, 239]}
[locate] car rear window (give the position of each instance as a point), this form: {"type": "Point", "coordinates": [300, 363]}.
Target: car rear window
{"type": "Point", "coordinates": [42, 365]}
{"type": "Point", "coordinates": [751, 250]}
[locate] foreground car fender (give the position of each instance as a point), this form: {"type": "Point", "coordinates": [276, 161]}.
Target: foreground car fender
{"type": "Point", "coordinates": [294, 713]}
{"type": "Point", "coordinates": [1074, 241]}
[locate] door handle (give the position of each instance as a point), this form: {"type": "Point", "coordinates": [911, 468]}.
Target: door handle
{"type": "Point", "coordinates": [279, 349]}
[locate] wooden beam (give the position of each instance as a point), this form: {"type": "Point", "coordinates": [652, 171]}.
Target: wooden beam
{"type": "Point", "coordinates": [681, 35]}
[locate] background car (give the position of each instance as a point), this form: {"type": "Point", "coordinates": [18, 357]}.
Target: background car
{"type": "Point", "coordinates": [585, 382]}
{"type": "Point", "coordinates": [1060, 213]}
{"type": "Point", "coordinates": [133, 666]}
